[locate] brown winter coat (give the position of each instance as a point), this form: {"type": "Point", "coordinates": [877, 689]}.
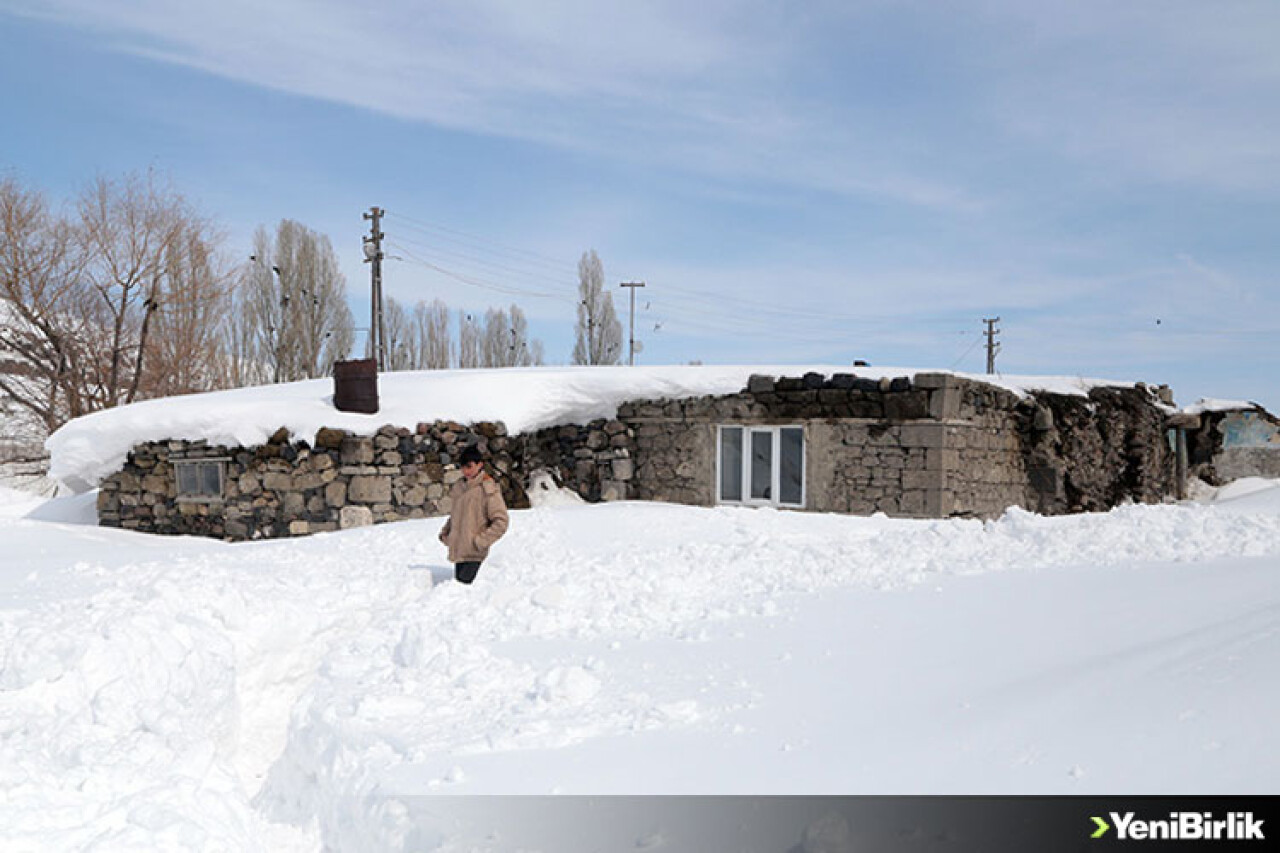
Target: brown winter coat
{"type": "Point", "coordinates": [478, 518]}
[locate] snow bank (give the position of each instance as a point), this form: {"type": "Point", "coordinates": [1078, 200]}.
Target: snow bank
{"type": "Point", "coordinates": [16, 502]}
{"type": "Point", "coordinates": [92, 447]}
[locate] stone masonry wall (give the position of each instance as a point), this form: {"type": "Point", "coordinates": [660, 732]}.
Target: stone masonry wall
{"type": "Point", "coordinates": [595, 460]}
{"type": "Point", "coordinates": [934, 446]}
{"type": "Point", "coordinates": [861, 455]}
{"type": "Point", "coordinates": [1093, 453]}
{"type": "Point", "coordinates": [291, 487]}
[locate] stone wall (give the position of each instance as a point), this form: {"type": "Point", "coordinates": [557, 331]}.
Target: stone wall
{"type": "Point", "coordinates": [872, 445]}
{"type": "Point", "coordinates": [596, 460]}
{"type": "Point", "coordinates": [931, 446]}
{"type": "Point", "coordinates": [291, 487]}
{"type": "Point", "coordinates": [1093, 453]}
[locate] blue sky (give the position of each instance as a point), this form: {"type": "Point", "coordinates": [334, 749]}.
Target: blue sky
{"type": "Point", "coordinates": [795, 182]}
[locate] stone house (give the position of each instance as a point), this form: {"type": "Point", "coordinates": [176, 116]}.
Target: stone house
{"type": "Point", "coordinates": [932, 445]}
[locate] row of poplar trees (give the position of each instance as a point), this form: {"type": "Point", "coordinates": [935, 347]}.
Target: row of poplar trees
{"type": "Point", "coordinates": [125, 293]}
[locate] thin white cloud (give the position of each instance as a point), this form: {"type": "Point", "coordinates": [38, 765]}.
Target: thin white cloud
{"type": "Point", "coordinates": [1177, 91]}
{"type": "Point", "coordinates": [700, 88]}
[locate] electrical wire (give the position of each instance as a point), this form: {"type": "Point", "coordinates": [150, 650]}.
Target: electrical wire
{"type": "Point", "coordinates": [413, 258]}
{"type": "Point", "coordinates": [441, 232]}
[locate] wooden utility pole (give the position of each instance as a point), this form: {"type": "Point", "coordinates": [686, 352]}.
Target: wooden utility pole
{"type": "Point", "coordinates": [373, 255]}
{"type": "Point", "coordinates": [992, 346]}
{"type": "Point", "coordinates": [632, 285]}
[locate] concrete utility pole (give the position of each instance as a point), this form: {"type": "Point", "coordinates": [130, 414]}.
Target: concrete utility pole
{"type": "Point", "coordinates": [632, 285]}
{"type": "Point", "coordinates": [992, 346]}
{"type": "Point", "coordinates": [373, 255]}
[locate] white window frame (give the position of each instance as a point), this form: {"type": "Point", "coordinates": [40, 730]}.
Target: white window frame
{"type": "Point", "coordinates": [201, 496]}
{"type": "Point", "coordinates": [775, 487]}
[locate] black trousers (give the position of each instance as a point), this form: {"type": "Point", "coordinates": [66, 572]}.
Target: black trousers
{"type": "Point", "coordinates": [466, 572]}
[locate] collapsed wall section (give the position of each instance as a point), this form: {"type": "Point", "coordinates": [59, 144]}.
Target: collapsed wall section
{"type": "Point", "coordinates": [1233, 443]}
{"type": "Point", "coordinates": [1096, 452]}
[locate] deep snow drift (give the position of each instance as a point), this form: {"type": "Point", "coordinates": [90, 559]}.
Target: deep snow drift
{"type": "Point", "coordinates": [327, 692]}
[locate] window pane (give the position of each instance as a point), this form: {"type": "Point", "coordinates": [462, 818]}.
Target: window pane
{"type": "Point", "coordinates": [188, 480]}
{"type": "Point", "coordinates": [791, 454]}
{"type": "Point", "coordinates": [211, 479]}
{"type": "Point", "coordinates": [761, 465]}
{"type": "Point", "coordinates": [731, 464]}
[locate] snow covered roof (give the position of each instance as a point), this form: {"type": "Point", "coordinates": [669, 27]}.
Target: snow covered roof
{"type": "Point", "coordinates": [1207, 404]}
{"type": "Point", "coordinates": [92, 447]}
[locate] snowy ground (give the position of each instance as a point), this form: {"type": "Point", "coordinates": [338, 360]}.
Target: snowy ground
{"type": "Point", "coordinates": [327, 692]}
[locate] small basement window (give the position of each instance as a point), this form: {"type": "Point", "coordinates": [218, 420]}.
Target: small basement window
{"type": "Point", "coordinates": [200, 479]}
{"type": "Point", "coordinates": [760, 465]}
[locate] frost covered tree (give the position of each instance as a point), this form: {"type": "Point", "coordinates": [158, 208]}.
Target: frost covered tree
{"type": "Point", "coordinates": [598, 335]}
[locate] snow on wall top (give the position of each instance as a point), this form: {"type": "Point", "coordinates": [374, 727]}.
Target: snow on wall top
{"type": "Point", "coordinates": [1208, 404]}
{"type": "Point", "coordinates": [87, 449]}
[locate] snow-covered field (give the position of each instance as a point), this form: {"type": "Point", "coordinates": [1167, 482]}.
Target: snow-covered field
{"type": "Point", "coordinates": [330, 692]}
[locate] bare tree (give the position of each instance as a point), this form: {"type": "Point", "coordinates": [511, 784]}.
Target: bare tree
{"type": "Point", "coordinates": [246, 339]}
{"type": "Point", "coordinates": [468, 340]}
{"type": "Point", "coordinates": [507, 339]}
{"type": "Point", "coordinates": [504, 340]}
{"type": "Point", "coordinates": [434, 343]}
{"type": "Point", "coordinates": [524, 351]}
{"type": "Point", "coordinates": [94, 306]}
{"type": "Point", "coordinates": [294, 301]}
{"type": "Point", "coordinates": [401, 337]}
{"type": "Point", "coordinates": [42, 354]}
{"type": "Point", "coordinates": [495, 339]}
{"type": "Point", "coordinates": [187, 324]}
{"type": "Point", "coordinates": [599, 332]}
{"type": "Point", "coordinates": [129, 232]}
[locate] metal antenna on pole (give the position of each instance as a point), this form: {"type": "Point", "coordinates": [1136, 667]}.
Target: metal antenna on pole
{"type": "Point", "coordinates": [632, 285]}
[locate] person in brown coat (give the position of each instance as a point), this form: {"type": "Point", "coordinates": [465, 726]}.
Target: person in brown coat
{"type": "Point", "coordinates": [477, 517]}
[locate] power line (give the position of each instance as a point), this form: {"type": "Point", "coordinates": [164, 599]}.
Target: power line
{"type": "Point", "coordinates": [475, 241]}
{"type": "Point", "coordinates": [415, 259]}
{"type": "Point", "coordinates": [965, 354]}
{"type": "Point", "coordinates": [425, 247]}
